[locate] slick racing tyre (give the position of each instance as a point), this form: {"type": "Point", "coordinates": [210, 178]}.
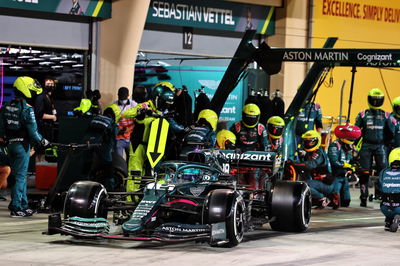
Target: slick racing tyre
{"type": "Point", "coordinates": [290, 206]}
{"type": "Point", "coordinates": [235, 221]}
{"type": "Point", "coordinates": [226, 205]}
{"type": "Point", "coordinates": [85, 199]}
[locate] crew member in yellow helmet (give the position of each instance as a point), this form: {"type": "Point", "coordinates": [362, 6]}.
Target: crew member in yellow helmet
{"type": "Point", "coordinates": [226, 140]}
{"type": "Point", "coordinates": [250, 134]}
{"type": "Point", "coordinates": [18, 129]}
{"type": "Point", "coordinates": [315, 170]}
{"type": "Point", "coordinates": [389, 185]}
{"type": "Point", "coordinates": [275, 128]}
{"type": "Point", "coordinates": [202, 135]}
{"type": "Point", "coordinates": [377, 132]}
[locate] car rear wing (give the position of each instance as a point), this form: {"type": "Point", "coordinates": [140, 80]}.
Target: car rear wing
{"type": "Point", "coordinates": [256, 159]}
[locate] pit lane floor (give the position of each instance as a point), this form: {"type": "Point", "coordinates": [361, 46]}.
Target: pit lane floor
{"type": "Point", "coordinates": [348, 236]}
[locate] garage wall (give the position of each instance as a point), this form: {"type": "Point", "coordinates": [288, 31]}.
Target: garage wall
{"type": "Point", "coordinates": [202, 44]}
{"type": "Point", "coordinates": [41, 32]}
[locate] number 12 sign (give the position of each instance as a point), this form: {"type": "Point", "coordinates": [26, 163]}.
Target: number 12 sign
{"type": "Point", "coordinates": [187, 38]}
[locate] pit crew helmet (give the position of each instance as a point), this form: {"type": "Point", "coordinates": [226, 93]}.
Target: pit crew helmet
{"type": "Point", "coordinates": [275, 127]}
{"type": "Point", "coordinates": [163, 95]}
{"type": "Point", "coordinates": [394, 157]}
{"type": "Point", "coordinates": [311, 140]}
{"type": "Point", "coordinates": [226, 139]}
{"type": "Point", "coordinates": [347, 133]}
{"type": "Point", "coordinates": [396, 107]}
{"type": "Point", "coordinates": [250, 115]}
{"type": "Point", "coordinates": [113, 111]}
{"type": "Point", "coordinates": [27, 87]}
{"type": "Point", "coordinates": [375, 98]}
{"type": "Point", "coordinates": [208, 116]}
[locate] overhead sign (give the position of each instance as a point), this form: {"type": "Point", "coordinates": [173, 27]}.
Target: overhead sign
{"type": "Point", "coordinates": [218, 15]}
{"type": "Point", "coordinates": [343, 57]}
{"type": "Point", "coordinates": [91, 8]}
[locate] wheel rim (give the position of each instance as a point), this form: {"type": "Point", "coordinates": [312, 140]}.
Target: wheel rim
{"type": "Point", "coordinates": [306, 207]}
{"type": "Point", "coordinates": [238, 221]}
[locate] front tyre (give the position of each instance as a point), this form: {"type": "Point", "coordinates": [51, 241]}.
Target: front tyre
{"type": "Point", "coordinates": [226, 206]}
{"type": "Point", "coordinates": [235, 222]}
{"type": "Point", "coordinates": [86, 199]}
{"type": "Point", "coordinates": [290, 206]}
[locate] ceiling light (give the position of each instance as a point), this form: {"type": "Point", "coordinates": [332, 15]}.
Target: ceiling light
{"type": "Point", "coordinates": [57, 58]}
{"type": "Point", "coordinates": [76, 56]}
{"type": "Point", "coordinates": [25, 57]}
{"type": "Point", "coordinates": [77, 65]}
{"type": "Point", "coordinates": [46, 55]}
{"type": "Point", "coordinates": [46, 63]}
{"type": "Point", "coordinates": [68, 62]}
{"type": "Point", "coordinates": [55, 67]}
{"type": "Point", "coordinates": [15, 67]}
{"type": "Point", "coordinates": [5, 64]}
{"type": "Point", "coordinates": [36, 59]}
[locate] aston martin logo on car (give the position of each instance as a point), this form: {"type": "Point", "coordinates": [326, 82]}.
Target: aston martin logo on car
{"type": "Point", "coordinates": [196, 191]}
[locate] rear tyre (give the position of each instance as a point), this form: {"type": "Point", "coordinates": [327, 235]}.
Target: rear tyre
{"type": "Point", "coordinates": [86, 199]}
{"type": "Point", "coordinates": [290, 206]}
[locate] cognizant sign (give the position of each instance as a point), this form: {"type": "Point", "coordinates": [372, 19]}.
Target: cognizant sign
{"type": "Point", "coordinates": [219, 15]}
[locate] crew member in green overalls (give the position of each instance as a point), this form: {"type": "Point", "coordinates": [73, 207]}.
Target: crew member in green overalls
{"type": "Point", "coordinates": [18, 128]}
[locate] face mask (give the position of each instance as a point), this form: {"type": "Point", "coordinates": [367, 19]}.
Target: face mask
{"type": "Point", "coordinates": [49, 88]}
{"type": "Point", "coordinates": [123, 102]}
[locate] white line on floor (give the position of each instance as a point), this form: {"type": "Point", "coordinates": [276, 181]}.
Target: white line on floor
{"type": "Point", "coordinates": [23, 221]}
{"type": "Point", "coordinates": [346, 219]}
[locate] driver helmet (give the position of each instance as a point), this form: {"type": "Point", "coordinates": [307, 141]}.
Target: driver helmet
{"type": "Point", "coordinates": [27, 87]}
{"type": "Point", "coordinates": [163, 95]}
{"type": "Point", "coordinates": [208, 117]}
{"type": "Point", "coordinates": [311, 140]}
{"type": "Point", "coordinates": [226, 139]}
{"type": "Point", "coordinates": [113, 111]}
{"type": "Point", "coordinates": [347, 133]}
{"type": "Point", "coordinates": [275, 126]}
{"type": "Point", "coordinates": [394, 157]}
{"type": "Point", "coordinates": [250, 115]}
{"type": "Point", "coordinates": [189, 175]}
{"type": "Point", "coordinates": [396, 107]}
{"type": "Point", "coordinates": [375, 99]}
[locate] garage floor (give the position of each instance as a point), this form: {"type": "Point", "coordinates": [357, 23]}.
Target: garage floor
{"type": "Point", "coordinates": [348, 236]}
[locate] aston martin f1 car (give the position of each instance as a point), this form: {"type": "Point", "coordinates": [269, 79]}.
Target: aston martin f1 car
{"type": "Point", "coordinates": [189, 200]}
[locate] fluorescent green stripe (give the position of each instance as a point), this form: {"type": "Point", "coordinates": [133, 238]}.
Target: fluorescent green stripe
{"type": "Point", "coordinates": [98, 7]}
{"type": "Point", "coordinates": [266, 23]}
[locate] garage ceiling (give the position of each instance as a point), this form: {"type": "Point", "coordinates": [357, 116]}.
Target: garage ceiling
{"type": "Point", "coordinates": [26, 59]}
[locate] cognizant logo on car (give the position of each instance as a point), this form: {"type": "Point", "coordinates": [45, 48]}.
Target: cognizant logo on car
{"type": "Point", "coordinates": [246, 156]}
